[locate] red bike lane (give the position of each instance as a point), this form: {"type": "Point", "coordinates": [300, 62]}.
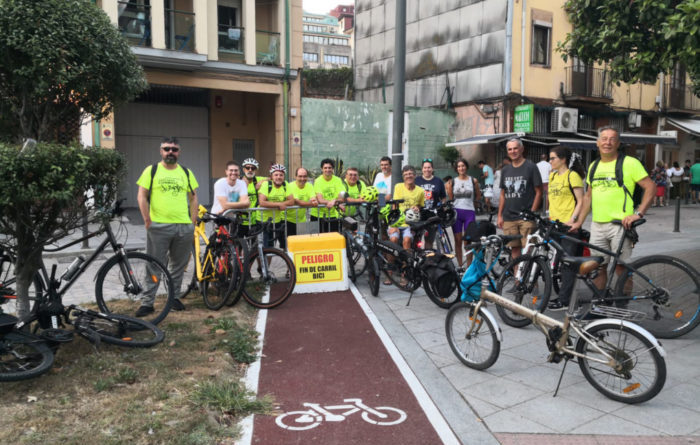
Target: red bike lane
{"type": "Point", "coordinates": [334, 381]}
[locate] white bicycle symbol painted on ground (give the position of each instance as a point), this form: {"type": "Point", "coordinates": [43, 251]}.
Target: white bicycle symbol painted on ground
{"type": "Point", "coordinates": [311, 418]}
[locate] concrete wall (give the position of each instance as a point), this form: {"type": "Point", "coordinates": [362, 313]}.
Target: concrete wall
{"type": "Point", "coordinates": [455, 43]}
{"type": "Point", "coordinates": [359, 133]}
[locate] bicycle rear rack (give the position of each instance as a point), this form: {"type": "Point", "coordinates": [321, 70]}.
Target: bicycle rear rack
{"type": "Point", "coordinates": [618, 312]}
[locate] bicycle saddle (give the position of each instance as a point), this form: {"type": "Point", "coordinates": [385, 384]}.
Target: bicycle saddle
{"type": "Point", "coordinates": [509, 238]}
{"type": "Point", "coordinates": [584, 264]}
{"type": "Point", "coordinates": [218, 219]}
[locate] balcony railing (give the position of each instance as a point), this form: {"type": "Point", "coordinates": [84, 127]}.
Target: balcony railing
{"type": "Point", "coordinates": [231, 44]}
{"type": "Point", "coordinates": [135, 22]}
{"type": "Point", "coordinates": [588, 83]}
{"type": "Point", "coordinates": [179, 30]}
{"type": "Point", "coordinates": [267, 47]}
{"type": "Point", "coordinates": [680, 98]}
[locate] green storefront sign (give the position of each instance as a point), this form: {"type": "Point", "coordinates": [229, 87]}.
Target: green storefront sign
{"type": "Point", "coordinates": [524, 118]}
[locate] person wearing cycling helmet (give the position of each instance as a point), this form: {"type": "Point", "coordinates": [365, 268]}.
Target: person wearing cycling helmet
{"type": "Point", "coordinates": [328, 188]}
{"type": "Point", "coordinates": [353, 188]}
{"type": "Point", "coordinates": [273, 194]}
{"type": "Point", "coordinates": [250, 167]}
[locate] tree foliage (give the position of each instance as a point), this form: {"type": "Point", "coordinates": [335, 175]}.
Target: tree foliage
{"type": "Point", "coordinates": [60, 57]}
{"type": "Point", "coordinates": [637, 39]}
{"type": "Point", "coordinates": [44, 198]}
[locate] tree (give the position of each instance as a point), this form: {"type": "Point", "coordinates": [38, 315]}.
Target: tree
{"type": "Point", "coordinates": [637, 39]}
{"type": "Point", "coordinates": [60, 58]}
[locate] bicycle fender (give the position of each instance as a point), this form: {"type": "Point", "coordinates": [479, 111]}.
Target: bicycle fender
{"type": "Point", "coordinates": [633, 327]}
{"type": "Point", "coordinates": [492, 319]}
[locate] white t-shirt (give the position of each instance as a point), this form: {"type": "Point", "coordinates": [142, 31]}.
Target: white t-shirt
{"type": "Point", "coordinates": [232, 193]}
{"type": "Point", "coordinates": [382, 183]}
{"type": "Point", "coordinates": [544, 167]}
{"type": "Point", "coordinates": [463, 193]}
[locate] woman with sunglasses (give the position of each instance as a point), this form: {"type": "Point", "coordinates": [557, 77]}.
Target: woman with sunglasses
{"type": "Point", "coordinates": [565, 201]}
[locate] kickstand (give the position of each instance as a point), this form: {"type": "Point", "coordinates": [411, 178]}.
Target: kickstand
{"type": "Point", "coordinates": [409, 298]}
{"type": "Point", "coordinates": [566, 361]}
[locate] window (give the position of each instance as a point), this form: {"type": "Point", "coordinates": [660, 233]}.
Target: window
{"type": "Point", "coordinates": [135, 21]}
{"type": "Point", "coordinates": [541, 44]}
{"type": "Point", "coordinates": [340, 60]}
{"type": "Point", "coordinates": [312, 28]}
{"type": "Point", "coordinates": [310, 57]}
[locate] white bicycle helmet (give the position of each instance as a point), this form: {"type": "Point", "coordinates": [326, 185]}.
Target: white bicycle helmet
{"type": "Point", "coordinates": [250, 161]}
{"type": "Point", "coordinates": [412, 216]}
{"type": "Point", "coordinates": [278, 168]}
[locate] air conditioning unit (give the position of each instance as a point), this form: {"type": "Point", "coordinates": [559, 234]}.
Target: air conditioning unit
{"type": "Point", "coordinates": [564, 120]}
{"type": "Point", "coordinates": [634, 120]}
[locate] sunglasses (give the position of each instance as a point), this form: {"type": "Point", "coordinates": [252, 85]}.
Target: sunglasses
{"type": "Point", "coordinates": [249, 167]}
{"type": "Point", "coordinates": [428, 160]}
{"type": "Point", "coordinates": [170, 149]}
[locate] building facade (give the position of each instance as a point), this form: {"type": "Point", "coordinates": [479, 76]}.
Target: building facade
{"type": "Point", "coordinates": [223, 78]}
{"type": "Point", "coordinates": [485, 58]}
{"type": "Point", "coordinates": [325, 44]}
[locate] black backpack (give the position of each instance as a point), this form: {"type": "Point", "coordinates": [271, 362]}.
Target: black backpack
{"type": "Point", "coordinates": [638, 192]}
{"type": "Point", "coordinates": [154, 167]}
{"type": "Point", "coordinates": [359, 186]}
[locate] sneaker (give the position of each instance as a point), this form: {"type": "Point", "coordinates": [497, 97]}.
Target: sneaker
{"type": "Point", "coordinates": [556, 305]}
{"type": "Point", "coordinates": [177, 305]}
{"type": "Point", "coordinates": [143, 311]}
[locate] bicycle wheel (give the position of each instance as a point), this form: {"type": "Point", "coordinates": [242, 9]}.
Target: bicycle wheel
{"type": "Point", "coordinates": [220, 276]}
{"type": "Point", "coordinates": [267, 290]}
{"type": "Point", "coordinates": [240, 249]}
{"type": "Point", "coordinates": [358, 255]}
{"type": "Point", "coordinates": [669, 299]}
{"type": "Point", "coordinates": [528, 282]}
{"type": "Point", "coordinates": [373, 274]}
{"type": "Point", "coordinates": [350, 258]}
{"type": "Point", "coordinates": [117, 329]}
{"type": "Point", "coordinates": [473, 340]}
{"type": "Point", "coordinates": [443, 302]}
{"type": "Point", "coordinates": [115, 291]}
{"type": "Point", "coordinates": [642, 370]}
{"type": "Point", "coordinates": [23, 356]}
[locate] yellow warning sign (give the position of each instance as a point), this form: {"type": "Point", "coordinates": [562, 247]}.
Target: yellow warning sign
{"type": "Point", "coordinates": [324, 265]}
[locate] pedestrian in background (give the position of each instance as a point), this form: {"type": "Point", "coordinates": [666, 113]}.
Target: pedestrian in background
{"type": "Point", "coordinates": [695, 181]}
{"type": "Point", "coordinates": [676, 175]}
{"type": "Point", "coordinates": [545, 168]}
{"type": "Point", "coordinates": [659, 176]}
{"type": "Point", "coordinates": [685, 185]}
{"type": "Point", "coordinates": [488, 175]}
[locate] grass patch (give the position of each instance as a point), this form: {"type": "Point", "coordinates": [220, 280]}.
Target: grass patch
{"type": "Point", "coordinates": [229, 397]}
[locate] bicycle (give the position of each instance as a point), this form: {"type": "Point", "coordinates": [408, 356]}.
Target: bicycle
{"type": "Point", "coordinates": [311, 418]}
{"type": "Point", "coordinates": [660, 292]}
{"type": "Point", "coordinates": [25, 354]}
{"type": "Point", "coordinates": [618, 358]}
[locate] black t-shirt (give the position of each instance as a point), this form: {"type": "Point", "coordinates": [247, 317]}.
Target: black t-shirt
{"type": "Point", "coordinates": [434, 190]}
{"type": "Point", "coordinates": [519, 185]}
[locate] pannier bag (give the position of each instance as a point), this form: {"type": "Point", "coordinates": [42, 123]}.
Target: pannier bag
{"type": "Point", "coordinates": [442, 274]}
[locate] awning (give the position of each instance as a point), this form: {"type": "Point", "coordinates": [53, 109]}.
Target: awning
{"type": "Point", "coordinates": [485, 139]}
{"type": "Point", "coordinates": [691, 126]}
{"type": "Point", "coordinates": [579, 144]}
{"type": "Point", "coordinates": [625, 138]}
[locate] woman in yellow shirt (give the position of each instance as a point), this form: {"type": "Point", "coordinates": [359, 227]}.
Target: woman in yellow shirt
{"type": "Point", "coordinates": [565, 200]}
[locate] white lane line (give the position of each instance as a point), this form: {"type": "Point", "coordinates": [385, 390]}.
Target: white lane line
{"type": "Point", "coordinates": [252, 377]}
{"type": "Point", "coordinates": [426, 403]}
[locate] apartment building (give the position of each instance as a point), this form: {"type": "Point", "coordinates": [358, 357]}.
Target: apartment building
{"type": "Point", "coordinates": [223, 77]}
{"type": "Point", "coordinates": [325, 43]}
{"type": "Point", "coordinates": [494, 62]}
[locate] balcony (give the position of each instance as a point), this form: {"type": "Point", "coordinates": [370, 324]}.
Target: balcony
{"type": "Point", "coordinates": [267, 47]}
{"type": "Point", "coordinates": [680, 98]}
{"type": "Point", "coordinates": [585, 84]}
{"type": "Point", "coordinates": [179, 30]}
{"type": "Point", "coordinates": [135, 22]}
{"type": "Point", "coordinates": [231, 47]}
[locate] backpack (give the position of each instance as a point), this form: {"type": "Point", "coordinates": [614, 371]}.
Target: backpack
{"type": "Point", "coordinates": [154, 167]}
{"type": "Point", "coordinates": [359, 186]}
{"type": "Point", "coordinates": [635, 196]}
{"type": "Point", "coordinates": [442, 273]}
{"type": "Point", "coordinates": [568, 180]}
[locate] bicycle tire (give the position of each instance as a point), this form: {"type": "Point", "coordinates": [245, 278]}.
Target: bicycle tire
{"type": "Point", "coordinates": [220, 277]}
{"type": "Point", "coordinates": [350, 266]}
{"type": "Point", "coordinates": [23, 356]}
{"type": "Point", "coordinates": [359, 257]}
{"type": "Point", "coordinates": [373, 274]}
{"type": "Point", "coordinates": [268, 292]}
{"type": "Point", "coordinates": [434, 295]}
{"type": "Point", "coordinates": [635, 352]}
{"type": "Point", "coordinates": [115, 329]}
{"type": "Point", "coordinates": [670, 299]}
{"type": "Point", "coordinates": [114, 294]}
{"type": "Point", "coordinates": [478, 350]}
{"type": "Point", "coordinates": [531, 293]}
{"type": "Point", "coordinates": [240, 247]}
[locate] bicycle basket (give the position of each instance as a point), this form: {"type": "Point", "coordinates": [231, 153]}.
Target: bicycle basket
{"type": "Point", "coordinates": [471, 280]}
{"type": "Point", "coordinates": [442, 273]}
{"type": "Point", "coordinates": [477, 229]}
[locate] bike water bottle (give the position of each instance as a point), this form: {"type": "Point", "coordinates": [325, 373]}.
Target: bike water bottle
{"type": "Point", "coordinates": [73, 268]}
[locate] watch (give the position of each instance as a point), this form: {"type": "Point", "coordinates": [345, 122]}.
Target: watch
{"type": "Point", "coordinates": [640, 214]}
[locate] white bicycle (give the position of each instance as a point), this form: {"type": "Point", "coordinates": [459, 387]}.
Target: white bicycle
{"type": "Point", "coordinates": [311, 418]}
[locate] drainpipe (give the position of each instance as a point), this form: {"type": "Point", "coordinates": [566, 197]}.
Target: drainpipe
{"type": "Point", "coordinates": [285, 83]}
{"type": "Point", "coordinates": [658, 152]}
{"type": "Point", "coordinates": [509, 48]}
{"type": "Point", "coordinates": [522, 49]}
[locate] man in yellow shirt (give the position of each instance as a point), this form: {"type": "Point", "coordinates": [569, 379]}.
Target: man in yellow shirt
{"type": "Point", "coordinates": [304, 196]}
{"type": "Point", "coordinates": [611, 202]}
{"type": "Point", "coordinates": [273, 194]}
{"type": "Point", "coordinates": [414, 198]}
{"type": "Point", "coordinates": [168, 204]}
{"type": "Point", "coordinates": [328, 188]}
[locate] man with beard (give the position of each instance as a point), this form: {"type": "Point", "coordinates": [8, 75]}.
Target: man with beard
{"type": "Point", "coordinates": [168, 204]}
{"type": "Point", "coordinates": [250, 166]}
